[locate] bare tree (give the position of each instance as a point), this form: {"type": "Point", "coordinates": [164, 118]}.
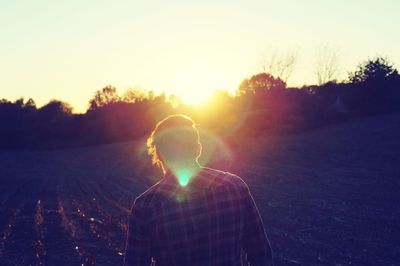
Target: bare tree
{"type": "Point", "coordinates": [135, 94]}
{"type": "Point", "coordinates": [105, 96]}
{"type": "Point", "coordinates": [281, 65]}
{"type": "Point", "coordinates": [327, 64]}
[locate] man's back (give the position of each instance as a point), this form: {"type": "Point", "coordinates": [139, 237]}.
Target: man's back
{"type": "Point", "coordinates": [208, 222]}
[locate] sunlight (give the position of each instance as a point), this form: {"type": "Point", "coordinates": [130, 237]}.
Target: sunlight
{"type": "Point", "coordinates": [195, 97]}
{"type": "Point", "coordinates": [195, 82]}
{"type": "Point", "coordinates": [193, 91]}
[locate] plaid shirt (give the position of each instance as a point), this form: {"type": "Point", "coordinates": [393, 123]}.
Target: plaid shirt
{"type": "Point", "coordinates": [212, 221]}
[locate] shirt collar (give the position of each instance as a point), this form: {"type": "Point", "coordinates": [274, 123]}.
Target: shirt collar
{"type": "Point", "coordinates": [201, 181]}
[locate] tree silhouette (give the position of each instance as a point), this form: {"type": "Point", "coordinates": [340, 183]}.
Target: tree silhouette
{"type": "Point", "coordinates": [327, 65]}
{"type": "Point", "coordinates": [281, 65]}
{"type": "Point", "coordinates": [56, 108]}
{"type": "Point", "coordinates": [104, 97]}
{"type": "Point", "coordinates": [135, 94]}
{"type": "Point", "coordinates": [374, 70]}
{"type": "Point", "coordinates": [376, 87]}
{"type": "Point", "coordinates": [261, 105]}
{"type": "Point", "coordinates": [259, 82]}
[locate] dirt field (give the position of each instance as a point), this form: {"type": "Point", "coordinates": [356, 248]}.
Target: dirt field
{"type": "Point", "coordinates": [328, 197]}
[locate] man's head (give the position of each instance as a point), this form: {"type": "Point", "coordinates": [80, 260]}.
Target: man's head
{"type": "Point", "coordinates": [174, 141]}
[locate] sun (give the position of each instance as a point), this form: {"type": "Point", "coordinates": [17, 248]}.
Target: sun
{"type": "Point", "coordinates": [195, 81]}
{"type": "Point", "coordinates": [192, 90]}
{"type": "Point", "coordinates": [195, 97]}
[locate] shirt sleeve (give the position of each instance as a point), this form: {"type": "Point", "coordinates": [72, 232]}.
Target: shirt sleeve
{"type": "Point", "coordinates": [138, 244]}
{"type": "Point", "coordinates": [254, 241]}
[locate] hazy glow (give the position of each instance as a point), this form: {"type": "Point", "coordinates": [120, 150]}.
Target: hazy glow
{"type": "Point", "coordinates": [184, 176]}
{"type": "Point", "coordinates": [195, 83]}
{"type": "Point", "coordinates": [214, 150]}
{"type": "Point", "coordinates": [68, 50]}
{"type": "Point", "coordinates": [195, 97]}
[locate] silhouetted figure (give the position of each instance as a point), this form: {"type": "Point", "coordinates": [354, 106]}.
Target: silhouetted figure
{"type": "Point", "coordinates": [194, 215]}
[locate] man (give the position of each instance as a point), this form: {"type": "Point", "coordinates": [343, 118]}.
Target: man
{"type": "Point", "coordinates": [195, 215]}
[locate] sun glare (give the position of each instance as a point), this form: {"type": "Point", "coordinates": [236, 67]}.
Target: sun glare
{"type": "Point", "coordinates": [195, 97]}
{"type": "Point", "coordinates": [196, 82]}
{"type": "Point", "coordinates": [193, 91]}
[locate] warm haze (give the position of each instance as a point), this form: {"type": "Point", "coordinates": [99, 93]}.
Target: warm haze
{"type": "Point", "coordinates": [101, 100]}
{"type": "Point", "coordinates": [69, 50]}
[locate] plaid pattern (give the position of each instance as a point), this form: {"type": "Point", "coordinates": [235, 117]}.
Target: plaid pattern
{"type": "Point", "coordinates": [212, 221]}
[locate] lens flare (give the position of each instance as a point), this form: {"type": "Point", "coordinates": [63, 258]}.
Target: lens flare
{"type": "Point", "coordinates": [215, 153]}
{"type": "Point", "coordinates": [184, 175]}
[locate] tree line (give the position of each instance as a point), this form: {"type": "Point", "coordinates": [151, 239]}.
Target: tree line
{"type": "Point", "coordinates": [263, 104]}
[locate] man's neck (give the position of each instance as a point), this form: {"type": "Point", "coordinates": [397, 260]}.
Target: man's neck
{"type": "Point", "coordinates": [184, 172]}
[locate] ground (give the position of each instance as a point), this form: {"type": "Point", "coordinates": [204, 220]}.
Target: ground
{"type": "Point", "coordinates": [328, 197]}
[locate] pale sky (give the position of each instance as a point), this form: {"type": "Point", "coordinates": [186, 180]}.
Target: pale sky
{"type": "Point", "coordinates": [67, 50]}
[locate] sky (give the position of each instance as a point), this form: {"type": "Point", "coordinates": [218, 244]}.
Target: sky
{"type": "Point", "coordinates": [67, 50]}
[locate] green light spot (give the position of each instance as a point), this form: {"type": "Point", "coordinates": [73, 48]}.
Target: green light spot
{"type": "Point", "coordinates": [184, 176]}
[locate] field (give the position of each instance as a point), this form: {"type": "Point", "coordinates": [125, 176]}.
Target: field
{"type": "Point", "coordinates": [328, 197]}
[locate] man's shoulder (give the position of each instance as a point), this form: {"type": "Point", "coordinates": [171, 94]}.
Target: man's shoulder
{"type": "Point", "coordinates": [227, 179]}
{"type": "Point", "coordinates": [146, 198]}
{"type": "Point", "coordinates": [163, 188]}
